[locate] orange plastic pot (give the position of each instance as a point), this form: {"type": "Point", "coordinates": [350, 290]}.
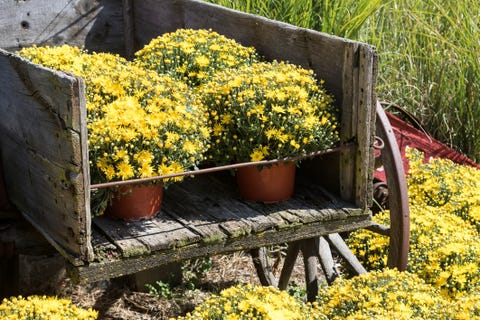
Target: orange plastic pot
{"type": "Point", "coordinates": [267, 184]}
{"type": "Point", "coordinates": [136, 202]}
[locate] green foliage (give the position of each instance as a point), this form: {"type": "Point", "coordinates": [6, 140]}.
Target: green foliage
{"type": "Point", "coordinates": [297, 291]}
{"type": "Point", "coordinates": [342, 17]}
{"type": "Point", "coordinates": [194, 270]}
{"type": "Point", "coordinates": [160, 289]}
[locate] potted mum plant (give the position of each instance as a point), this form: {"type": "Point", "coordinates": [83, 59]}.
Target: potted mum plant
{"type": "Point", "coordinates": [140, 124]}
{"type": "Point", "coordinates": [193, 55]}
{"type": "Point", "coordinates": [266, 111]}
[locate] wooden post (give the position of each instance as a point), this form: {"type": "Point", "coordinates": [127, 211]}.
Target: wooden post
{"type": "Point", "coordinates": [310, 262]}
{"type": "Point", "coordinates": [129, 28]}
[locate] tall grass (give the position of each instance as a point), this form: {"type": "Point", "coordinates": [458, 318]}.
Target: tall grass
{"type": "Point", "coordinates": [429, 63]}
{"type": "Point", "coordinates": [429, 54]}
{"type": "Point", "coordinates": [340, 17]}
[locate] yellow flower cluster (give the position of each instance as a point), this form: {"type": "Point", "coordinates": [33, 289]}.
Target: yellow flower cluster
{"type": "Point", "coordinates": [268, 110]}
{"type": "Point", "coordinates": [387, 294]}
{"type": "Point", "coordinates": [467, 307]}
{"type": "Point", "coordinates": [156, 115]}
{"type": "Point", "coordinates": [42, 307]}
{"type": "Point", "coordinates": [193, 56]}
{"type": "Point", "coordinates": [140, 123]}
{"type": "Point", "coordinates": [444, 205]}
{"type": "Point", "coordinates": [442, 183]}
{"type": "Point", "coordinates": [250, 302]}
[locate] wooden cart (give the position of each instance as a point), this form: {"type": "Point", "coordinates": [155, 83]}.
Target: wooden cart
{"type": "Point", "coordinates": [44, 149]}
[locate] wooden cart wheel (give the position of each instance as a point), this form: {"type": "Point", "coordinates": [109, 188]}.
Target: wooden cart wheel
{"type": "Point", "coordinates": [319, 249]}
{"type": "Point", "coordinates": [399, 230]}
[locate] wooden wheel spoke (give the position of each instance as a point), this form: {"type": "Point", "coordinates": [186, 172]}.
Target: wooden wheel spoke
{"type": "Point", "coordinates": [263, 267]}
{"type": "Point", "coordinates": [379, 228]}
{"type": "Point", "coordinates": [326, 260]}
{"type": "Point", "coordinates": [290, 259]}
{"type": "Point", "coordinates": [336, 241]}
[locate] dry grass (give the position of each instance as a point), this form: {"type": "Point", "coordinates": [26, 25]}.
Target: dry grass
{"type": "Point", "coordinates": [115, 300]}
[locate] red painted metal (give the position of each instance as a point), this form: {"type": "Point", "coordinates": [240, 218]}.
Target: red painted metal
{"type": "Point", "coordinates": [408, 135]}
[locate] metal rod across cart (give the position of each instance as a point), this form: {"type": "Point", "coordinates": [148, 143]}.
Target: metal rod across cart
{"type": "Point", "coordinates": [221, 168]}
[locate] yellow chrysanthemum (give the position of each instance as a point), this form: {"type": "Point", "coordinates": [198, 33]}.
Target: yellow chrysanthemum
{"type": "Point", "coordinates": [272, 104]}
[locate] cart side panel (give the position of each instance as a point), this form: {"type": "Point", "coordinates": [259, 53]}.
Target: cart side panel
{"type": "Point", "coordinates": [44, 152]}
{"type": "Point", "coordinates": [358, 124]}
{"type": "Point", "coordinates": [348, 68]}
{"type": "Point", "coordinates": [153, 18]}
{"type": "Point", "coordinates": [366, 104]}
{"type": "Point", "coordinates": [94, 24]}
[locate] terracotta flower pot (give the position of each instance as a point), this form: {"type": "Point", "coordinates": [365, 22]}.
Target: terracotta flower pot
{"type": "Point", "coordinates": [267, 184]}
{"type": "Point", "coordinates": [136, 202]}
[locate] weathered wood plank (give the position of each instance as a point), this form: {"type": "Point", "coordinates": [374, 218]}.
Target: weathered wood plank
{"type": "Point", "coordinates": [336, 241]}
{"type": "Point", "coordinates": [349, 122]}
{"type": "Point", "coordinates": [122, 235]}
{"type": "Point", "coordinates": [227, 221]}
{"type": "Point", "coordinates": [189, 212]}
{"type": "Point", "coordinates": [365, 128]}
{"type": "Point", "coordinates": [129, 28]}
{"type": "Point", "coordinates": [326, 259]}
{"type": "Point", "coordinates": [224, 189]}
{"type": "Point", "coordinates": [115, 268]}
{"type": "Point", "coordinates": [97, 25]}
{"type": "Point", "coordinates": [172, 233]}
{"type": "Point", "coordinates": [263, 267]}
{"type": "Point", "coordinates": [358, 123]}
{"type": "Point", "coordinates": [104, 249]}
{"type": "Point", "coordinates": [155, 234]}
{"type": "Point", "coordinates": [288, 264]}
{"type": "Point", "coordinates": [275, 212]}
{"type": "Point", "coordinates": [310, 203]}
{"type": "Point", "coordinates": [44, 152]}
{"type": "Point", "coordinates": [326, 215]}
{"type": "Point", "coordinates": [309, 253]}
{"type": "Point", "coordinates": [318, 197]}
{"type": "Point", "coordinates": [161, 232]}
{"type": "Point", "coordinates": [150, 17]}
{"type": "Point", "coordinates": [50, 120]}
